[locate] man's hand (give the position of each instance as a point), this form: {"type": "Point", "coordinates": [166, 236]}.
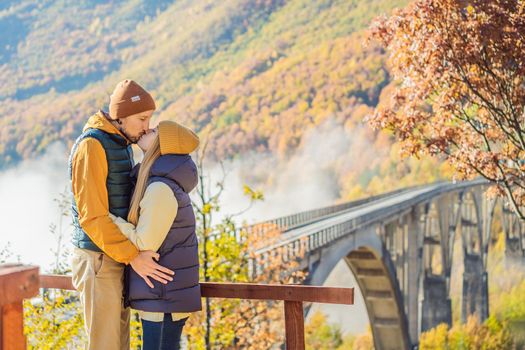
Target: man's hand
{"type": "Point", "coordinates": [144, 265]}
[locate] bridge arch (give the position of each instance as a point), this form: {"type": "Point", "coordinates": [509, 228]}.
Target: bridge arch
{"type": "Point", "coordinates": [372, 267]}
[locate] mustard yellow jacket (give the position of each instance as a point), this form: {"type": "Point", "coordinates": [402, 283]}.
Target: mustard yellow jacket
{"type": "Point", "coordinates": [89, 174]}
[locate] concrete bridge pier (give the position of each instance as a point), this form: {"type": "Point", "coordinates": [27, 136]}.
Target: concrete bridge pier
{"type": "Point", "coordinates": [475, 297]}
{"type": "Point", "coordinates": [476, 223]}
{"type": "Point", "coordinates": [440, 218]}
{"type": "Point", "coordinates": [436, 307]}
{"type": "Point", "coordinates": [414, 271]}
{"type": "Point", "coordinates": [514, 233]}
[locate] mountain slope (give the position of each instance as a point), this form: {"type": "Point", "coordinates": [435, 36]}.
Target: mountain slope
{"type": "Point", "coordinates": [66, 56]}
{"type": "Point", "coordinates": [252, 75]}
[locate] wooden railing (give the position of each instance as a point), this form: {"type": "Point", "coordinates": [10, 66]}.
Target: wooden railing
{"type": "Point", "coordinates": [22, 282]}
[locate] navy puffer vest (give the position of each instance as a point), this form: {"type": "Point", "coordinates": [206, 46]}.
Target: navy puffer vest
{"type": "Point", "coordinates": [120, 162]}
{"type": "Point", "coordinates": [179, 251]}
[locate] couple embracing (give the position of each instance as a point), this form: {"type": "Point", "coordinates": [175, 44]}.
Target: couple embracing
{"type": "Point", "coordinates": [134, 226]}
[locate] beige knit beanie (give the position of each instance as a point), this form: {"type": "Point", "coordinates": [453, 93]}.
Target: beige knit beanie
{"type": "Point", "coordinates": [129, 98]}
{"type": "Point", "coordinates": [176, 139]}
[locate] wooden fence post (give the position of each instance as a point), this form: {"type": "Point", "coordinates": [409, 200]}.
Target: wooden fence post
{"type": "Point", "coordinates": [17, 282]}
{"type": "Point", "coordinates": [294, 324]}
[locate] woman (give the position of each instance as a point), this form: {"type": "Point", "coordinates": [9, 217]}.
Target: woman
{"type": "Point", "coordinates": [161, 219]}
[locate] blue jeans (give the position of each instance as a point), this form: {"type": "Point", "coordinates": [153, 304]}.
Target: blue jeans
{"type": "Point", "coordinates": [163, 335]}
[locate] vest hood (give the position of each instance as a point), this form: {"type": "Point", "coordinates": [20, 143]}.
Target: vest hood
{"type": "Point", "coordinates": [179, 168]}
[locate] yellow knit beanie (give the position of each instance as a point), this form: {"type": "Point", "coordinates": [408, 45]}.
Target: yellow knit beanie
{"type": "Point", "coordinates": [176, 139]}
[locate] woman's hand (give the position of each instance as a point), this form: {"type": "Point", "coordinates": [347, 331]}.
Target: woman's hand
{"type": "Point", "coordinates": [146, 267]}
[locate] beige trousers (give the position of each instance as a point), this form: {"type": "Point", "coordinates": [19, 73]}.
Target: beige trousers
{"type": "Point", "coordinates": [100, 282]}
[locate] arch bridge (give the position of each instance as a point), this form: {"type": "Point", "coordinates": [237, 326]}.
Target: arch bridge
{"type": "Point", "coordinates": [399, 246]}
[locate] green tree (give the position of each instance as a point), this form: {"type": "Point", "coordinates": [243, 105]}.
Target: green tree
{"type": "Point", "coordinates": [227, 253]}
{"type": "Point", "coordinates": [490, 335]}
{"type": "Point", "coordinates": [321, 335]}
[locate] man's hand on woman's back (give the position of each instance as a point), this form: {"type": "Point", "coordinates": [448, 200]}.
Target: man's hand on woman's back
{"type": "Point", "coordinates": [146, 267]}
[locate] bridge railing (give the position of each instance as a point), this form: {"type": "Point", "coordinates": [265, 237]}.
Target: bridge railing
{"type": "Point", "coordinates": [299, 219]}
{"type": "Point", "coordinates": [19, 282]}
{"type": "Point", "coordinates": [294, 221]}
{"type": "Point", "coordinates": [310, 240]}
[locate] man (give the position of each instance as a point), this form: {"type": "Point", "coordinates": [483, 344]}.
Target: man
{"type": "Point", "coordinates": [100, 162]}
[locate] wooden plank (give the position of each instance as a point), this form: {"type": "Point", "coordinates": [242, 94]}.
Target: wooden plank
{"type": "Point", "coordinates": [12, 332]}
{"type": "Point", "coordinates": [1, 327]}
{"type": "Point", "coordinates": [8, 268]}
{"type": "Point", "coordinates": [294, 324]}
{"type": "Point", "coordinates": [329, 295]}
{"type": "Point", "coordinates": [56, 282]}
{"type": "Point", "coordinates": [18, 282]}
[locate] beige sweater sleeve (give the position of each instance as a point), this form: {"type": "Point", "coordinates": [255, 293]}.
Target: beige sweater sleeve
{"type": "Point", "coordinates": [158, 209]}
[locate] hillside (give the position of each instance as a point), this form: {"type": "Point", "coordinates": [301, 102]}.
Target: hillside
{"type": "Point", "coordinates": [259, 73]}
